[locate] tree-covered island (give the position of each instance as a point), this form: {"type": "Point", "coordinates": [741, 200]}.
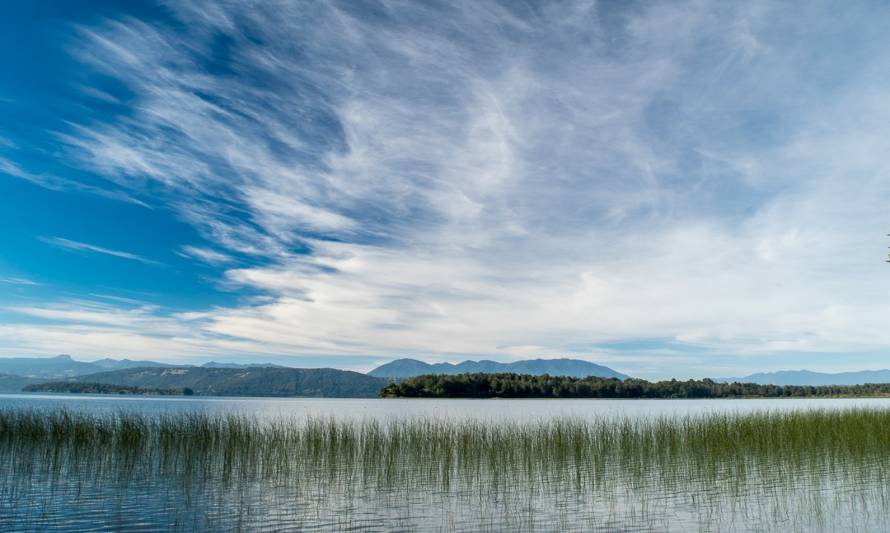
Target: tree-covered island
{"type": "Point", "coordinates": [527, 386]}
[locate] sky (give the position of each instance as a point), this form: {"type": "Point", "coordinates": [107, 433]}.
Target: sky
{"type": "Point", "coordinates": [672, 189]}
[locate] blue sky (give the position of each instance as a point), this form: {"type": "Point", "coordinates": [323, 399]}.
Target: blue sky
{"type": "Point", "coordinates": [671, 189]}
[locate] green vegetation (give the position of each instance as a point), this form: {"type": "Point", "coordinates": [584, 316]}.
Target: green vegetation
{"type": "Point", "coordinates": [526, 386]}
{"type": "Point", "coordinates": [102, 388]}
{"type": "Point", "coordinates": [287, 446]}
{"type": "Point", "coordinates": [788, 470]}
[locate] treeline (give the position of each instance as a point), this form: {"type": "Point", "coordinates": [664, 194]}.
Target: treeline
{"type": "Point", "coordinates": [527, 386]}
{"type": "Point", "coordinates": [103, 388]}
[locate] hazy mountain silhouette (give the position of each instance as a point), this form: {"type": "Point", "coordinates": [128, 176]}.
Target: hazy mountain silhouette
{"type": "Point", "coordinates": [63, 366]}
{"type": "Point", "coordinates": [808, 377]}
{"type": "Point", "coordinates": [13, 383]}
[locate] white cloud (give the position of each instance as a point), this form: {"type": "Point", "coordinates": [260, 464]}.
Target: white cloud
{"type": "Point", "coordinates": [207, 255]}
{"type": "Point", "coordinates": [283, 216]}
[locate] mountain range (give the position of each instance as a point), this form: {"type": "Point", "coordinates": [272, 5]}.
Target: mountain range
{"type": "Point", "coordinates": [268, 379]}
{"type": "Point", "coordinates": [406, 368]}
{"type": "Point", "coordinates": [63, 366]}
{"type": "Point", "coordinates": [261, 379]}
{"type": "Point", "coordinates": [807, 377]}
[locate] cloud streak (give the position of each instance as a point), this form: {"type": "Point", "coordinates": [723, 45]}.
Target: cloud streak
{"type": "Point", "coordinates": [17, 281]}
{"type": "Point", "coordinates": [56, 183]}
{"type": "Point", "coordinates": [77, 246]}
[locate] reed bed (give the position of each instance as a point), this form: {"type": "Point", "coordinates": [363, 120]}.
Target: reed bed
{"type": "Point", "coordinates": [786, 462]}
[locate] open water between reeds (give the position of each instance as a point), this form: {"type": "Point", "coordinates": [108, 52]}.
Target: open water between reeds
{"type": "Point", "coordinates": [77, 463]}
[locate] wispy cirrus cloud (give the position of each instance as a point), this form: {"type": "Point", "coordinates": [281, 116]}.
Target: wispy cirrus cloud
{"type": "Point", "coordinates": [76, 246]}
{"type": "Point", "coordinates": [509, 180]}
{"type": "Point", "coordinates": [56, 183]}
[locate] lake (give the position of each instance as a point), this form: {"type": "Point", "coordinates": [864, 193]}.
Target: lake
{"type": "Point", "coordinates": [445, 465]}
{"type": "Point", "coordinates": [502, 410]}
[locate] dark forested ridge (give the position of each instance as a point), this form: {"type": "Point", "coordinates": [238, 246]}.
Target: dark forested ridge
{"type": "Point", "coordinates": [71, 387]}
{"type": "Point", "coordinates": [526, 386]}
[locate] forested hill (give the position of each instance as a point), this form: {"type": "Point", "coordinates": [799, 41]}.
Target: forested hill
{"type": "Point", "coordinates": [406, 368]}
{"type": "Point", "coordinates": [526, 386]}
{"type": "Point", "coordinates": [319, 382]}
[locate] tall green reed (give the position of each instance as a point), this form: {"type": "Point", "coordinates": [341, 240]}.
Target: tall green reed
{"type": "Point", "coordinates": [710, 460]}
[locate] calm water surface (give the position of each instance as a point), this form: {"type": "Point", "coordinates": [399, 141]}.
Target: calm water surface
{"type": "Point", "coordinates": [79, 493]}
{"type": "Point", "coordinates": [493, 410]}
